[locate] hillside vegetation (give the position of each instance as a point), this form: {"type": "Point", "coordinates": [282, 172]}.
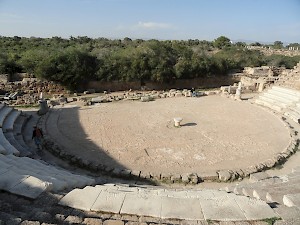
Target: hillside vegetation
{"type": "Point", "coordinates": [76, 60]}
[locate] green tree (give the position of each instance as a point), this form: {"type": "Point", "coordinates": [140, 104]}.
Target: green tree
{"type": "Point", "coordinates": [222, 42]}
{"type": "Point", "coordinates": [278, 45]}
{"type": "Point", "coordinates": [69, 68]}
{"type": "Point", "coordinates": [8, 65]}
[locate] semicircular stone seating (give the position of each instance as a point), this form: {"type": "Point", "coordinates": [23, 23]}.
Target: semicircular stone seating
{"type": "Point", "coordinates": [199, 204]}
{"type": "Point", "coordinates": [22, 175]}
{"type": "Point", "coordinates": [285, 189]}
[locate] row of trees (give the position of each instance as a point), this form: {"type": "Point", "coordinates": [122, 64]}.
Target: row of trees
{"type": "Point", "coordinates": [76, 60]}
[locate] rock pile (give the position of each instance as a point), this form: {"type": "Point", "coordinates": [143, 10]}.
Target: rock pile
{"type": "Point", "coordinates": [146, 96]}
{"type": "Point", "coordinates": [28, 90]}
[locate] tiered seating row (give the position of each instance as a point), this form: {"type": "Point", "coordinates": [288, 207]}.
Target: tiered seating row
{"type": "Point", "coordinates": [284, 100]}
{"type": "Point", "coordinates": [281, 190]}
{"type": "Point", "coordinates": [11, 125]}
{"type": "Point", "coordinates": [28, 177]}
{"type": "Point", "coordinates": [22, 175]}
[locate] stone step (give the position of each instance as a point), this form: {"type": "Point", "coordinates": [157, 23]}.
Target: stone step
{"type": "Point", "coordinates": [2, 149]}
{"type": "Point", "coordinates": [11, 138]}
{"type": "Point", "coordinates": [4, 111]}
{"type": "Point", "coordinates": [18, 131]}
{"type": "Point", "coordinates": [269, 190]}
{"type": "Point", "coordinates": [9, 121]}
{"type": "Point", "coordinates": [60, 179]}
{"type": "Point", "coordinates": [277, 194]}
{"type": "Point", "coordinates": [161, 203]}
{"type": "Point", "coordinates": [23, 185]}
{"type": "Point", "coordinates": [269, 100]}
{"type": "Point", "coordinates": [55, 134]}
{"type": "Point", "coordinates": [39, 167]}
{"type": "Point", "coordinates": [20, 140]}
{"type": "Point", "coordinates": [247, 189]}
{"type": "Point", "coordinates": [292, 200]}
{"type": "Point", "coordinates": [7, 146]}
{"type": "Point", "coordinates": [268, 104]}
{"type": "Point", "coordinates": [295, 116]}
{"type": "Point", "coordinates": [287, 91]}
{"type": "Point", "coordinates": [278, 99]}
{"type": "Point", "coordinates": [294, 98]}
{"type": "Point", "coordinates": [20, 123]}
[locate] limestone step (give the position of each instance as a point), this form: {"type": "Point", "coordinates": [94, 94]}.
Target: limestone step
{"type": "Point", "coordinates": [166, 203]}
{"type": "Point", "coordinates": [278, 99]}
{"type": "Point", "coordinates": [2, 149]}
{"type": "Point", "coordinates": [59, 178]}
{"type": "Point", "coordinates": [286, 95]}
{"type": "Point", "coordinates": [248, 189]}
{"type": "Point", "coordinates": [20, 123]}
{"type": "Point", "coordinates": [11, 138]}
{"type": "Point", "coordinates": [270, 190]}
{"type": "Point", "coordinates": [23, 185]}
{"type": "Point", "coordinates": [9, 121]}
{"type": "Point", "coordinates": [272, 101]}
{"type": "Point", "coordinates": [291, 200]}
{"type": "Point", "coordinates": [40, 167]}
{"type": "Point", "coordinates": [4, 111]}
{"type": "Point", "coordinates": [277, 194]}
{"type": "Point", "coordinates": [18, 130]}
{"type": "Point", "coordinates": [287, 91]}
{"type": "Point", "coordinates": [7, 146]}
{"type": "Point", "coordinates": [268, 104]}
{"type": "Point", "coordinates": [28, 129]}
{"type": "Point", "coordinates": [20, 140]}
{"type": "Point", "coordinates": [55, 134]}
{"type": "Point", "coordinates": [295, 116]}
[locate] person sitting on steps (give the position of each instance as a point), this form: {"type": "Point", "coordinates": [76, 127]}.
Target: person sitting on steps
{"type": "Point", "coordinates": [37, 135]}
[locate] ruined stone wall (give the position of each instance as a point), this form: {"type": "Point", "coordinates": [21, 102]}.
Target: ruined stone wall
{"type": "Point", "coordinates": [208, 82]}
{"type": "Point", "coordinates": [290, 78]}
{"type": "Point", "coordinates": [293, 51]}
{"type": "Point", "coordinates": [265, 76]}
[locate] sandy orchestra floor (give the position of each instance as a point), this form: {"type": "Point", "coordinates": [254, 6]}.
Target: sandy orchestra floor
{"type": "Point", "coordinates": [216, 133]}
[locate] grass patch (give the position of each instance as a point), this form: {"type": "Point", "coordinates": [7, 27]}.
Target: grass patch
{"type": "Point", "coordinates": [272, 220]}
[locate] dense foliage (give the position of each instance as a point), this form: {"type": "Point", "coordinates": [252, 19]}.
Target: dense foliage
{"type": "Point", "coordinates": [76, 60]}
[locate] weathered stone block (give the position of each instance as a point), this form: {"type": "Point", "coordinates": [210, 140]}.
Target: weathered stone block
{"type": "Point", "coordinates": [209, 176]}
{"type": "Point", "coordinates": [185, 178]}
{"type": "Point", "coordinates": [113, 222]}
{"type": "Point", "coordinates": [254, 177]}
{"type": "Point", "coordinates": [224, 175]}
{"type": "Point", "coordinates": [194, 179]}
{"type": "Point", "coordinates": [92, 221]}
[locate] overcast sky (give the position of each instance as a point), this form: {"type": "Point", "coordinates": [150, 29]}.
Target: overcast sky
{"type": "Point", "coordinates": [254, 20]}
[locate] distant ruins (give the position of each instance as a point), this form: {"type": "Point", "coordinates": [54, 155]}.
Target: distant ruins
{"type": "Point", "coordinates": [292, 51]}
{"type": "Point", "coordinates": [257, 79]}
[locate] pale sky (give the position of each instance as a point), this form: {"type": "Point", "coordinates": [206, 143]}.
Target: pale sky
{"type": "Point", "coordinates": [254, 20]}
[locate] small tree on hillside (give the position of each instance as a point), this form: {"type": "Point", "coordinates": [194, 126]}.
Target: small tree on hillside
{"type": "Point", "coordinates": [222, 42]}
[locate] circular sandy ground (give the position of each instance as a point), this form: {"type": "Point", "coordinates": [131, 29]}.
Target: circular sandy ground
{"type": "Point", "coordinates": [217, 133]}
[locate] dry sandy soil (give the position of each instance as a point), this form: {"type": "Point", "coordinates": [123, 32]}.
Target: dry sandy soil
{"type": "Point", "coordinates": [216, 133]}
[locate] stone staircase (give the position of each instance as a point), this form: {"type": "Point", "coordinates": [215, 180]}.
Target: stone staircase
{"type": "Point", "coordinates": [282, 100]}
{"type": "Point", "coordinates": [23, 175]}
{"type": "Point", "coordinates": [185, 204]}
{"type": "Point", "coordinates": [283, 190]}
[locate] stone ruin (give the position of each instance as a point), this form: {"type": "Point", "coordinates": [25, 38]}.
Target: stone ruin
{"type": "Point", "coordinates": [257, 79]}
{"type": "Point", "coordinates": [146, 96]}
{"type": "Point", "coordinates": [291, 51]}
{"type": "Point", "coordinates": [27, 91]}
